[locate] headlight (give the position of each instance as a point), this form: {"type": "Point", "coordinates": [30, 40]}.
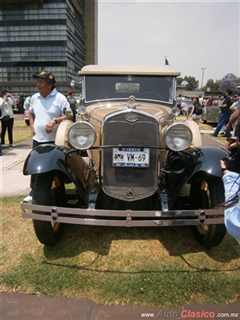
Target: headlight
{"type": "Point", "coordinates": [81, 135]}
{"type": "Point", "coordinates": [178, 137]}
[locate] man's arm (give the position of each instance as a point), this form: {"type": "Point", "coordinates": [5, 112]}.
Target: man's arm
{"type": "Point", "coordinates": [31, 122]}
{"type": "Point", "coordinates": [67, 116]}
{"type": "Point", "coordinates": [233, 118]}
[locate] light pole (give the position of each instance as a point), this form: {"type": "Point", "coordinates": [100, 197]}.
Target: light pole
{"type": "Point", "coordinates": [202, 76]}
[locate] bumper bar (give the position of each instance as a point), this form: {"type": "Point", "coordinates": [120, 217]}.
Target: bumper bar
{"type": "Point", "coordinates": [122, 218]}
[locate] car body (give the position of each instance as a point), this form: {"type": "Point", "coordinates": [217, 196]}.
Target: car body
{"type": "Point", "coordinates": [211, 111]}
{"type": "Point", "coordinates": [127, 162]}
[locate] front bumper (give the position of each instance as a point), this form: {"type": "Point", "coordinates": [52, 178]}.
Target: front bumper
{"type": "Point", "coordinates": [123, 218]}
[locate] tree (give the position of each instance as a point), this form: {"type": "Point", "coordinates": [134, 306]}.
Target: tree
{"type": "Point", "coordinates": [229, 82]}
{"type": "Point", "coordinates": [212, 86]}
{"type": "Point", "coordinates": [192, 82]}
{"type": "Point", "coordinates": [179, 81]}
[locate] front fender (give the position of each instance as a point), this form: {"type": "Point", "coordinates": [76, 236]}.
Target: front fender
{"type": "Point", "coordinates": [207, 159]}
{"type": "Point", "coordinates": [46, 158]}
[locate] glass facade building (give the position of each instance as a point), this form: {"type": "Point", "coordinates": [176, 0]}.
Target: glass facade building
{"type": "Point", "coordinates": [40, 35]}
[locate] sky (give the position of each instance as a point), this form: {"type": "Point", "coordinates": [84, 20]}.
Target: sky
{"type": "Point", "coordinates": [199, 38]}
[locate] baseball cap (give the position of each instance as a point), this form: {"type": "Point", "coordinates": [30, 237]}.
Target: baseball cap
{"type": "Point", "coordinates": [45, 75]}
{"type": "Point", "coordinates": [69, 92]}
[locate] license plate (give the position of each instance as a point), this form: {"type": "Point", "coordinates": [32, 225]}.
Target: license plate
{"type": "Point", "coordinates": [131, 157]}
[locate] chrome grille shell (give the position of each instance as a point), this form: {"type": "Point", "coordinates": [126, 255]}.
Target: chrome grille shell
{"type": "Point", "coordinates": [132, 128]}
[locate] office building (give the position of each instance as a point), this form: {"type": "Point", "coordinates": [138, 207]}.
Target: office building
{"type": "Point", "coordinates": [55, 35]}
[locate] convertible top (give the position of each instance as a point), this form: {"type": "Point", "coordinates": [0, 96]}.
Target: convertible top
{"type": "Point", "coordinates": [160, 70]}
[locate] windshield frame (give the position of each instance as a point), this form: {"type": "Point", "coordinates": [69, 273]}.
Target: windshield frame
{"type": "Point", "coordinates": [154, 88]}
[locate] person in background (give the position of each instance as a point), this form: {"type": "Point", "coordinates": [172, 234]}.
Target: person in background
{"type": "Point", "coordinates": [179, 101]}
{"type": "Point", "coordinates": [72, 102]}
{"type": "Point", "coordinates": [0, 142]}
{"type": "Point", "coordinates": [196, 111]}
{"type": "Point", "coordinates": [231, 181]}
{"type": "Point", "coordinates": [48, 108]}
{"type": "Point", "coordinates": [225, 115]}
{"type": "Point", "coordinates": [26, 103]}
{"type": "Point", "coordinates": [6, 103]}
{"type": "Point", "coordinates": [235, 118]}
{"type": "Point", "coordinates": [21, 103]}
{"type": "Point", "coordinates": [201, 101]}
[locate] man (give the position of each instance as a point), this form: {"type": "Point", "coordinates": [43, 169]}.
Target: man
{"type": "Point", "coordinates": [225, 115]}
{"type": "Point", "coordinates": [235, 117]}
{"type": "Point", "coordinates": [179, 101]}
{"type": "Point", "coordinates": [48, 108]}
{"type": "Point", "coordinates": [6, 103]}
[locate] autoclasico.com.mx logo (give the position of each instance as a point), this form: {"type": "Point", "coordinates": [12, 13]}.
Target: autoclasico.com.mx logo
{"type": "Point", "coordinates": [189, 314]}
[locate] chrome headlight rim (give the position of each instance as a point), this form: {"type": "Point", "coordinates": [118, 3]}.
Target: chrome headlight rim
{"type": "Point", "coordinates": [87, 140]}
{"type": "Point", "coordinates": [178, 142]}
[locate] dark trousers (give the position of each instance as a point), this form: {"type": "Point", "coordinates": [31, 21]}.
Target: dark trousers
{"type": "Point", "coordinates": [223, 120]}
{"type": "Point", "coordinates": [7, 126]}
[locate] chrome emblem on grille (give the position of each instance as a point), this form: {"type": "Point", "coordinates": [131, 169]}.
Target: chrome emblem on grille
{"type": "Point", "coordinates": [131, 117]}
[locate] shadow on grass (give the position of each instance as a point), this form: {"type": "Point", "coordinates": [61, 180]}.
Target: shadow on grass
{"type": "Point", "coordinates": [176, 241]}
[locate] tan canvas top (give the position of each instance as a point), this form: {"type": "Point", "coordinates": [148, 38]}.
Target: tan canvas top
{"type": "Point", "coordinates": [163, 70]}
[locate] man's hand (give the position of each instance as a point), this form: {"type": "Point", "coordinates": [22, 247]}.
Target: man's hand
{"type": "Point", "coordinates": [49, 126]}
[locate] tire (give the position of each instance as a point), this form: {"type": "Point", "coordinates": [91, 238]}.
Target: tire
{"type": "Point", "coordinates": [48, 190]}
{"type": "Point", "coordinates": [206, 193]}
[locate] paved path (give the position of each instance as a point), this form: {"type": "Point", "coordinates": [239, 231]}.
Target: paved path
{"type": "Point", "coordinates": [20, 306]}
{"type": "Point", "coordinates": [13, 182]}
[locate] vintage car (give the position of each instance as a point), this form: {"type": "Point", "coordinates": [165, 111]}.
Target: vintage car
{"type": "Point", "coordinates": [211, 111]}
{"type": "Point", "coordinates": [127, 162]}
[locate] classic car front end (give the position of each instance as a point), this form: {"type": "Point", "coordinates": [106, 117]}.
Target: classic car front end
{"type": "Point", "coordinates": [127, 161]}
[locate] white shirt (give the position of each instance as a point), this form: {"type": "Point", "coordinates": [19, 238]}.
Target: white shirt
{"type": "Point", "coordinates": [45, 109]}
{"type": "Point", "coordinates": [231, 182]}
{"type": "Point", "coordinates": [6, 106]}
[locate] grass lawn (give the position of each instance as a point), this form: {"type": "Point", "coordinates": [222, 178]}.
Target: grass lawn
{"type": "Point", "coordinates": [21, 131]}
{"type": "Point", "coordinates": [115, 266]}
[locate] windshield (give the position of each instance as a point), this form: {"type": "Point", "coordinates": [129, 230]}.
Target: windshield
{"type": "Point", "coordinates": [105, 87]}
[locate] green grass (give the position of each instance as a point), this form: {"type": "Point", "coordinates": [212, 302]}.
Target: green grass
{"type": "Point", "coordinates": [21, 131]}
{"type": "Point", "coordinates": [115, 266]}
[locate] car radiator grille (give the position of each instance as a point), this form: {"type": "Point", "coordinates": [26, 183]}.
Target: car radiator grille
{"type": "Point", "coordinates": [124, 183]}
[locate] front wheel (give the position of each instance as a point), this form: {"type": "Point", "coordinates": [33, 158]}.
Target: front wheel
{"type": "Point", "coordinates": [207, 193]}
{"type": "Point", "coordinates": [48, 190]}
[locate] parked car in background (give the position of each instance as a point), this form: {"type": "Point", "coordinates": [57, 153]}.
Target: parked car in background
{"type": "Point", "coordinates": [143, 168]}
{"type": "Point", "coordinates": [186, 107]}
{"type": "Point", "coordinates": [211, 111]}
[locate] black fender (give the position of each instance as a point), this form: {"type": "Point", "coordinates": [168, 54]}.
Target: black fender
{"type": "Point", "coordinates": [207, 159]}
{"type": "Point", "coordinates": [203, 160]}
{"type": "Point", "coordinates": [44, 158]}
{"type": "Point", "coordinates": [47, 158]}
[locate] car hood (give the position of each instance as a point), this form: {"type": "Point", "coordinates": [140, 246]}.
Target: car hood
{"type": "Point", "coordinates": [99, 111]}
